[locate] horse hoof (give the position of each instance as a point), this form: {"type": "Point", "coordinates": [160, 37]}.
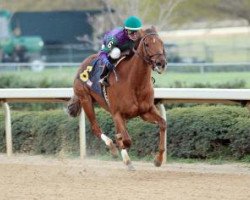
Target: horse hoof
{"type": "Point", "coordinates": [130, 167]}
{"type": "Point", "coordinates": [113, 150]}
{"type": "Point", "coordinates": [157, 163]}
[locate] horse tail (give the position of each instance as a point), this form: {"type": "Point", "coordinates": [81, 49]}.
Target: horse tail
{"type": "Point", "coordinates": [74, 106]}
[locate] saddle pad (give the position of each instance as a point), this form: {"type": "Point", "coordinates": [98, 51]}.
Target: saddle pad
{"type": "Point", "coordinates": [91, 76]}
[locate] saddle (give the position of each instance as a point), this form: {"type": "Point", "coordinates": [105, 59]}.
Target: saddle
{"type": "Point", "coordinates": [91, 75]}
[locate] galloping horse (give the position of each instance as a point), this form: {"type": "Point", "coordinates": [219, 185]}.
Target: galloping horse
{"type": "Point", "coordinates": [131, 96]}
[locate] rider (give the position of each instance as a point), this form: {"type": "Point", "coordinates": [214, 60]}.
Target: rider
{"type": "Point", "coordinates": [116, 41]}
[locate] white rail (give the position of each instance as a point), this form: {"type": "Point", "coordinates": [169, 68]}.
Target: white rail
{"type": "Point", "coordinates": [162, 95]}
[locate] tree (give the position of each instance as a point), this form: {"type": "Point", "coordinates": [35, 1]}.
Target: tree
{"type": "Point", "coordinates": [152, 12]}
{"type": "Point", "coordinates": [165, 14]}
{"type": "Point", "coordinates": [239, 9]}
{"type": "Point", "coordinates": [212, 11]}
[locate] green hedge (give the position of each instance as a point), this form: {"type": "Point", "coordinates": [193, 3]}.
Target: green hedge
{"type": "Point", "coordinates": [195, 132]}
{"type": "Point", "coordinates": [209, 132]}
{"type": "Point", "coordinates": [41, 132]}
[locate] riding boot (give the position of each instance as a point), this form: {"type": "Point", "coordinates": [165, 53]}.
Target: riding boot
{"type": "Point", "coordinates": [104, 77]}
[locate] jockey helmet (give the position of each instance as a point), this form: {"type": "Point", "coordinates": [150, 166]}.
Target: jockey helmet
{"type": "Point", "coordinates": [133, 23]}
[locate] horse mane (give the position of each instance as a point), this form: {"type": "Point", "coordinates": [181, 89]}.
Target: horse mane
{"type": "Point", "coordinates": [150, 30]}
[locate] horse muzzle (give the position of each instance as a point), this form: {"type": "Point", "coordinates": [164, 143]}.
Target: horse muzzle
{"type": "Point", "coordinates": [159, 67]}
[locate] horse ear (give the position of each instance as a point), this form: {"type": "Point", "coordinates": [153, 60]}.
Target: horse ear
{"type": "Point", "coordinates": [153, 28]}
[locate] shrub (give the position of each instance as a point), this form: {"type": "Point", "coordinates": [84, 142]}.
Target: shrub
{"type": "Point", "coordinates": [40, 132]}
{"type": "Point", "coordinates": [193, 132]}
{"type": "Point", "coordinates": [240, 137]}
{"type": "Point", "coordinates": [208, 131]}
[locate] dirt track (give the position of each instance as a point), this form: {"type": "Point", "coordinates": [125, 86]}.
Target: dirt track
{"type": "Point", "coordinates": [35, 177]}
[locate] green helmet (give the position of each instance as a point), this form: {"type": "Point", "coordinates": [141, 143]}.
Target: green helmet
{"type": "Point", "coordinates": [133, 23]}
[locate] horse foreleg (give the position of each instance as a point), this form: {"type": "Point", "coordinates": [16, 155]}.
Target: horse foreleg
{"type": "Point", "coordinates": [88, 107]}
{"type": "Point", "coordinates": [154, 117]}
{"type": "Point", "coordinates": [123, 140]}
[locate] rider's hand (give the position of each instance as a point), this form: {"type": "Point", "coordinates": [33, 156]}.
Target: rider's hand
{"type": "Point", "coordinates": [126, 53]}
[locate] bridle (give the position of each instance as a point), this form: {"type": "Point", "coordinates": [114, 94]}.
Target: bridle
{"type": "Point", "coordinates": [148, 57]}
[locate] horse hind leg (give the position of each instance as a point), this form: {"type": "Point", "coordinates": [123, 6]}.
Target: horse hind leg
{"type": "Point", "coordinates": [88, 107]}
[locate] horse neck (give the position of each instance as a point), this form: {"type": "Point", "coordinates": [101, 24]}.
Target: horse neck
{"type": "Point", "coordinates": [139, 72]}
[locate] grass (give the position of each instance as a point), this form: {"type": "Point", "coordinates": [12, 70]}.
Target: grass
{"type": "Point", "coordinates": [168, 79]}
{"type": "Point", "coordinates": [246, 159]}
{"type": "Point", "coordinates": [66, 75]}
{"type": "Point", "coordinates": [224, 48]}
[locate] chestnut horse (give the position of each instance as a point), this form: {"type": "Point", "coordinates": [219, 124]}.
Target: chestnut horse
{"type": "Point", "coordinates": [130, 96]}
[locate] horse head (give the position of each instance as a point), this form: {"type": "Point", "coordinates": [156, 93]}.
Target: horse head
{"type": "Point", "coordinates": [151, 50]}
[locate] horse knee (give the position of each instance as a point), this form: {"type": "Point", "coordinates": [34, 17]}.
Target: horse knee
{"type": "Point", "coordinates": [123, 142]}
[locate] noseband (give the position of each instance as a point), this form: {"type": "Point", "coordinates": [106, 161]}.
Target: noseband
{"type": "Point", "coordinates": [148, 57]}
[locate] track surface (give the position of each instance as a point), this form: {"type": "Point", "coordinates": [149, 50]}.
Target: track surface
{"type": "Point", "coordinates": [35, 177]}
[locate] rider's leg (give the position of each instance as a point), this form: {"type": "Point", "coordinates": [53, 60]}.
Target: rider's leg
{"type": "Point", "coordinates": [104, 77]}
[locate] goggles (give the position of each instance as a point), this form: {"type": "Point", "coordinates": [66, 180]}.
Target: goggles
{"type": "Point", "coordinates": [131, 32]}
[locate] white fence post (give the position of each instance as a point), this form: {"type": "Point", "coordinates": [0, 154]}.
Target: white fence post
{"type": "Point", "coordinates": [8, 129]}
{"type": "Point", "coordinates": [82, 135]}
{"type": "Point", "coordinates": [163, 114]}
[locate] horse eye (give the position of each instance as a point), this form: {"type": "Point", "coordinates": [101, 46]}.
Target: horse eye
{"type": "Point", "coordinates": [146, 45]}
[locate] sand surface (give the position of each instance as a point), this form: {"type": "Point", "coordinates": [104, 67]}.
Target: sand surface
{"type": "Point", "coordinates": [25, 177]}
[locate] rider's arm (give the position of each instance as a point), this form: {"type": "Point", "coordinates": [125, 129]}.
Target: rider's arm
{"type": "Point", "coordinates": [104, 58]}
{"type": "Point", "coordinates": [109, 42]}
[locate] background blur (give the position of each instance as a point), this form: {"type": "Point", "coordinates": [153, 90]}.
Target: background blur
{"type": "Point", "coordinates": [70, 30]}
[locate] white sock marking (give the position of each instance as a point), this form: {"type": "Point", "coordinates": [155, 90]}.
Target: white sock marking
{"type": "Point", "coordinates": [106, 139]}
